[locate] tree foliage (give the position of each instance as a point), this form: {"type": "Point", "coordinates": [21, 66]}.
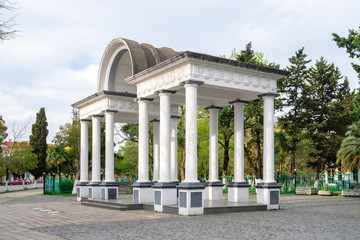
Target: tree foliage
{"type": "Point", "coordinates": [38, 142]}
{"type": "Point", "coordinates": [56, 156]}
{"type": "Point", "coordinates": [349, 153]}
{"type": "Point", "coordinates": [68, 136]}
{"type": "Point", "coordinates": [3, 134]}
{"type": "Point", "coordinates": [352, 45]}
{"type": "Point", "coordinates": [292, 90]}
{"type": "Point", "coordinates": [323, 89]}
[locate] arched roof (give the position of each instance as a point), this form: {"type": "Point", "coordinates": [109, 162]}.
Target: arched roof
{"type": "Point", "coordinates": [142, 56]}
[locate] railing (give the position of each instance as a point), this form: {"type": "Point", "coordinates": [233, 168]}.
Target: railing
{"type": "Point", "coordinates": [55, 185]}
{"type": "Point", "coordinates": [323, 182]}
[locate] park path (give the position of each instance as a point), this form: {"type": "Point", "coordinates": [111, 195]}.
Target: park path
{"type": "Point", "coordinates": [23, 211]}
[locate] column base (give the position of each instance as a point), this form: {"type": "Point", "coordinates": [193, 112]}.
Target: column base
{"type": "Point", "coordinates": [109, 190]}
{"type": "Point", "coordinates": [143, 192]}
{"type": "Point", "coordinates": [191, 201]}
{"type": "Point", "coordinates": [82, 190]}
{"type": "Point", "coordinates": [94, 190]}
{"type": "Point", "coordinates": [269, 194]}
{"type": "Point", "coordinates": [215, 190]}
{"type": "Point", "coordinates": [238, 192]}
{"type": "Point", "coordinates": [165, 193]}
{"type": "Point", "coordinates": [206, 191]}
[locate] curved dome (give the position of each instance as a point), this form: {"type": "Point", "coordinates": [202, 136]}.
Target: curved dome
{"type": "Point", "coordinates": [123, 58]}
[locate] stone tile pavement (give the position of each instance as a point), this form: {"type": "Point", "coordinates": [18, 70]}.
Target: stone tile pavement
{"type": "Point", "coordinates": [29, 215]}
{"type": "Point", "coordinates": [22, 212]}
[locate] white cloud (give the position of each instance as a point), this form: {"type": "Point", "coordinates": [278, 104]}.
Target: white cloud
{"type": "Point", "coordinates": [54, 62]}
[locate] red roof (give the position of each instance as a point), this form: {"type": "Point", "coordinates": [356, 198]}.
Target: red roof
{"type": "Point", "coordinates": [10, 144]}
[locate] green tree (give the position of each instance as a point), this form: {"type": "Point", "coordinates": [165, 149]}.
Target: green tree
{"type": "Point", "coordinates": [3, 134]}
{"type": "Point", "coordinates": [349, 153]}
{"type": "Point", "coordinates": [226, 131]}
{"type": "Point", "coordinates": [253, 115]}
{"type": "Point", "coordinates": [56, 156]}
{"type": "Point", "coordinates": [21, 158]}
{"type": "Point", "coordinates": [38, 142]}
{"type": "Point", "coordinates": [68, 136]}
{"type": "Point", "coordinates": [321, 92]}
{"type": "Point", "coordinates": [352, 45]}
{"type": "Point", "coordinates": [291, 88]}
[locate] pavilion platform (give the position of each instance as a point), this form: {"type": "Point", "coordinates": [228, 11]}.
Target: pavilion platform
{"type": "Point", "coordinates": [125, 203]}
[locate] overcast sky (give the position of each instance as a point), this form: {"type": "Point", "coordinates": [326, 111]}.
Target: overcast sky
{"type": "Point", "coordinates": [54, 61]}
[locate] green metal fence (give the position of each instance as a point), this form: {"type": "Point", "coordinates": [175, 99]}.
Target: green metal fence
{"type": "Point", "coordinates": [287, 183]}
{"type": "Point", "coordinates": [54, 185]}
{"type": "Point", "coordinates": [337, 183]}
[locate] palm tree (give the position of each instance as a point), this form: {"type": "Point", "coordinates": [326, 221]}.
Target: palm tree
{"type": "Point", "coordinates": [56, 156]}
{"type": "Point", "coordinates": [349, 152]}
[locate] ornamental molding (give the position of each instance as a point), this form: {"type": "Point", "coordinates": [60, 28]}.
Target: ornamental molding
{"type": "Point", "coordinates": [126, 105]}
{"type": "Point", "coordinates": [210, 73]}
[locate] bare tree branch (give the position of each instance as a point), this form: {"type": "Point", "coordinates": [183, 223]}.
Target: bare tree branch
{"type": "Point", "coordinates": [6, 26]}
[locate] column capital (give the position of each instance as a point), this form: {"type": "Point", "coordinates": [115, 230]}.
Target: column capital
{"type": "Point", "coordinates": [214, 107]}
{"type": "Point", "coordinates": [97, 116]}
{"type": "Point", "coordinates": [143, 99]}
{"type": "Point", "coordinates": [164, 91]}
{"type": "Point", "coordinates": [269, 94]}
{"type": "Point", "coordinates": [109, 111]}
{"type": "Point", "coordinates": [238, 101]}
{"type": "Point", "coordinates": [192, 82]}
{"type": "Point", "coordinates": [85, 120]}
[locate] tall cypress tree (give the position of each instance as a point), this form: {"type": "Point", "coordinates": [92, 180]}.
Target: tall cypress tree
{"type": "Point", "coordinates": [292, 88]}
{"type": "Point", "coordinates": [38, 142]}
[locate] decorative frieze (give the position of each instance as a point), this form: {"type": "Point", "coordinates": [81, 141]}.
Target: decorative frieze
{"type": "Point", "coordinates": [208, 73]}
{"type": "Point", "coordinates": [120, 105]}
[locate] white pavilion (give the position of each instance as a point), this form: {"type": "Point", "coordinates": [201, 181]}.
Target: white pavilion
{"type": "Point", "coordinates": [138, 83]}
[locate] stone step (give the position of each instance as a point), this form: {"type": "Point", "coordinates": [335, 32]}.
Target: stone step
{"type": "Point", "coordinates": [107, 206]}
{"type": "Point", "coordinates": [231, 209]}
{"type": "Point", "coordinates": [128, 206]}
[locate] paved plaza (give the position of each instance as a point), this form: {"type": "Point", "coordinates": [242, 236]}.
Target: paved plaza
{"type": "Point", "coordinates": [30, 215]}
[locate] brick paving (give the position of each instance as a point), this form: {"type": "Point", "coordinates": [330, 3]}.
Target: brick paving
{"type": "Point", "coordinates": [29, 215]}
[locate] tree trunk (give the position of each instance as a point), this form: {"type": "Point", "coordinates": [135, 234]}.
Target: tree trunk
{"type": "Point", "coordinates": [292, 163]}
{"type": "Point", "coordinates": [182, 166]}
{"type": "Point", "coordinates": [226, 158]}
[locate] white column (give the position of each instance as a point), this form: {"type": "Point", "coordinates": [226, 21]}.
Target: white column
{"type": "Point", "coordinates": [165, 138]}
{"type": "Point", "coordinates": [213, 145]}
{"type": "Point", "coordinates": [156, 150]}
{"type": "Point", "coordinates": [191, 133]}
{"type": "Point", "coordinates": [239, 142]}
{"type": "Point", "coordinates": [143, 165]}
{"type": "Point", "coordinates": [96, 148]}
{"type": "Point", "coordinates": [173, 150]}
{"type": "Point", "coordinates": [84, 151]}
{"type": "Point", "coordinates": [109, 146]}
{"type": "Point", "coordinates": [268, 162]}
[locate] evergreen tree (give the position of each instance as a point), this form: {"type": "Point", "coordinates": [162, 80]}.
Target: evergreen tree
{"type": "Point", "coordinates": [352, 45]}
{"type": "Point", "coordinates": [321, 92]}
{"type": "Point", "coordinates": [291, 88]}
{"type": "Point", "coordinates": [38, 142]}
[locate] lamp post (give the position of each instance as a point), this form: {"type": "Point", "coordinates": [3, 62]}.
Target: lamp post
{"type": "Point", "coordinates": [53, 188]}
{"type": "Point", "coordinates": [44, 181]}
